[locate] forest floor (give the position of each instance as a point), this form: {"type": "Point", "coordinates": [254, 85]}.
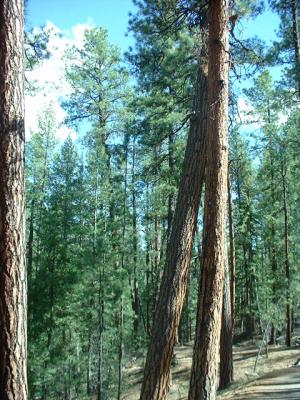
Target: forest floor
{"type": "Point", "coordinates": [273, 373]}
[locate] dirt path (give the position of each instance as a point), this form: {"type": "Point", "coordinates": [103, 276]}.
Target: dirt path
{"type": "Point", "coordinates": [282, 384]}
{"type": "Point", "coordinates": [247, 385]}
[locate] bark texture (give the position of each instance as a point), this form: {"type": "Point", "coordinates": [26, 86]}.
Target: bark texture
{"type": "Point", "coordinates": [205, 360]}
{"type": "Point", "coordinates": [13, 379]}
{"type": "Point", "coordinates": [179, 248]}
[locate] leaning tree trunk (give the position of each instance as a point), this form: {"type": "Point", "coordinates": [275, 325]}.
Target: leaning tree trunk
{"type": "Point", "coordinates": [205, 359]}
{"type": "Point", "coordinates": [179, 249]}
{"type": "Point", "coordinates": [13, 377]}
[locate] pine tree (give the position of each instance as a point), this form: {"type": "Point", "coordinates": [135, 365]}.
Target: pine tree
{"type": "Point", "coordinates": [208, 326]}
{"type": "Point", "coordinates": [13, 303]}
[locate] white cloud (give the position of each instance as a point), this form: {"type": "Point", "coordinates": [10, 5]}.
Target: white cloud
{"type": "Point", "coordinates": [77, 32]}
{"type": "Point", "coordinates": [283, 118]}
{"type": "Point", "coordinates": [247, 114]}
{"type": "Point", "coordinates": [49, 77]}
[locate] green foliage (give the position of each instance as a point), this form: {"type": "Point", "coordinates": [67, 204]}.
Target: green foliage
{"type": "Point", "coordinates": [99, 210]}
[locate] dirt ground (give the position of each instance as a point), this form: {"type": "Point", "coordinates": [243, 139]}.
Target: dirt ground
{"type": "Point", "coordinates": [279, 384]}
{"type": "Point", "coordinates": [279, 358]}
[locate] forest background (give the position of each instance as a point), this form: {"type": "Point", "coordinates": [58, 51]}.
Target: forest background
{"type": "Point", "coordinates": [106, 135]}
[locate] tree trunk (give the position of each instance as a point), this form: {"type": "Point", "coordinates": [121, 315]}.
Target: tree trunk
{"type": "Point", "coordinates": [121, 309]}
{"type": "Point", "coordinates": [205, 359]}
{"type": "Point", "coordinates": [100, 343]}
{"type": "Point", "coordinates": [188, 316]}
{"type": "Point", "coordinates": [179, 248]}
{"type": "Point", "coordinates": [273, 231]}
{"type": "Point", "coordinates": [13, 304]}
{"type": "Point", "coordinates": [232, 263]}
{"type": "Point", "coordinates": [286, 261]}
{"type": "Point", "coordinates": [296, 42]}
{"type": "Point", "coordinates": [226, 361]}
{"type": "Point", "coordinates": [89, 363]}
{"type": "Point", "coordinates": [30, 245]}
{"type": "Point", "coordinates": [171, 174]}
{"type": "Point", "coordinates": [148, 268]}
{"type": "Point", "coordinates": [135, 287]}
{"type": "Point", "coordinates": [120, 350]}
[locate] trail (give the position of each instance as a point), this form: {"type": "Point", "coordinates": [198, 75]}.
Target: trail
{"type": "Point", "coordinates": [282, 384]}
{"type": "Point", "coordinates": [274, 378]}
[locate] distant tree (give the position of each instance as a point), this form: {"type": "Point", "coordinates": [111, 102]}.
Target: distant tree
{"type": "Point", "coordinates": [13, 303]}
{"type": "Point", "coordinates": [286, 51]}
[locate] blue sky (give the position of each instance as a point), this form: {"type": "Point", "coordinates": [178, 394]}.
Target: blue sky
{"type": "Point", "coordinates": [109, 14]}
{"type": "Point", "coordinates": [113, 15]}
{"type": "Point", "coordinates": [71, 17]}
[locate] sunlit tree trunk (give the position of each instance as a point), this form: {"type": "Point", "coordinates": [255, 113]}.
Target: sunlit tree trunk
{"type": "Point", "coordinates": [13, 316]}
{"type": "Point", "coordinates": [203, 381]}
{"type": "Point", "coordinates": [179, 249]}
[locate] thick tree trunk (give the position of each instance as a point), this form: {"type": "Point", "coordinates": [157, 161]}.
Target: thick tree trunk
{"type": "Point", "coordinates": [179, 248]}
{"type": "Point", "coordinates": [205, 359]}
{"type": "Point", "coordinates": [13, 315]}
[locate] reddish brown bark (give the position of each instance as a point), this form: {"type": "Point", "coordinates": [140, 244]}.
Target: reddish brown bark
{"type": "Point", "coordinates": [179, 248]}
{"type": "Point", "coordinates": [13, 377]}
{"type": "Point", "coordinates": [205, 360]}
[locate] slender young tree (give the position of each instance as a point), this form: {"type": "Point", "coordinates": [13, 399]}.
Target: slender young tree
{"type": "Point", "coordinates": [288, 336]}
{"type": "Point", "coordinates": [13, 353]}
{"type": "Point", "coordinates": [205, 359]}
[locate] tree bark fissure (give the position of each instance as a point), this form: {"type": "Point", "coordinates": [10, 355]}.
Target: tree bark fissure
{"type": "Point", "coordinates": [179, 248]}
{"type": "Point", "coordinates": [13, 313]}
{"type": "Point", "coordinates": [207, 339]}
